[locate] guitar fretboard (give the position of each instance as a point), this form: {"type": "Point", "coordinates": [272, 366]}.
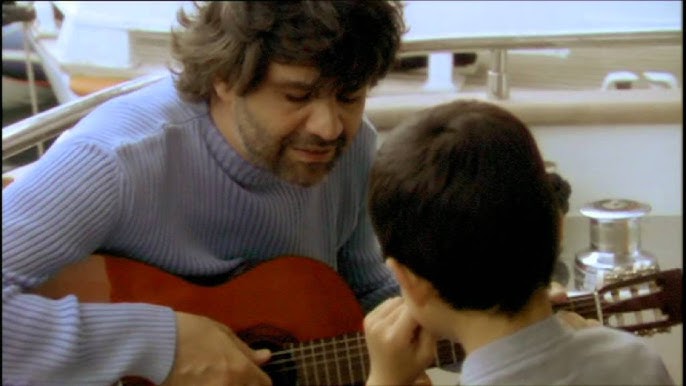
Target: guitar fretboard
{"type": "Point", "coordinates": [344, 360]}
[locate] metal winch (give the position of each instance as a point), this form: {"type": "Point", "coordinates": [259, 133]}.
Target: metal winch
{"type": "Point", "coordinates": [615, 247]}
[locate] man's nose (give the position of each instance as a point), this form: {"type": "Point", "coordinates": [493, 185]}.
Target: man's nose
{"type": "Point", "coordinates": [325, 120]}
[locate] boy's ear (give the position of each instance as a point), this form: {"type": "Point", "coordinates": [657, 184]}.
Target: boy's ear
{"type": "Point", "coordinates": [414, 287]}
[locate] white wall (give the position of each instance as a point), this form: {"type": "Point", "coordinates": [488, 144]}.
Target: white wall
{"type": "Point", "coordinates": [499, 18]}
{"type": "Point", "coordinates": [637, 162]}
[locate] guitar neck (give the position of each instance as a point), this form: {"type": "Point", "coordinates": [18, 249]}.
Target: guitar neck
{"type": "Point", "coordinates": [344, 359]}
{"type": "Point", "coordinates": [585, 305]}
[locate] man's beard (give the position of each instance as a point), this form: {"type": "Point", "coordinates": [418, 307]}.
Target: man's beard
{"type": "Point", "coordinates": [306, 173]}
{"type": "Point", "coordinates": [270, 153]}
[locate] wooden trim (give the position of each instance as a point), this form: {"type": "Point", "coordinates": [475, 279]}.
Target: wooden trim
{"type": "Point", "coordinates": [85, 85]}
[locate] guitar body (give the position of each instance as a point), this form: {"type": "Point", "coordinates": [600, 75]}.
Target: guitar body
{"type": "Point", "coordinates": [296, 294]}
{"type": "Point", "coordinates": [275, 304]}
{"type": "Point", "coordinates": [304, 312]}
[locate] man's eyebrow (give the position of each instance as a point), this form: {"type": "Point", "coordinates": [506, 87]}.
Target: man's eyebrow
{"type": "Point", "coordinates": [289, 83]}
{"type": "Point", "coordinates": [315, 85]}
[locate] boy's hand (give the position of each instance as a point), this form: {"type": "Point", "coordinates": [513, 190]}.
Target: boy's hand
{"type": "Point", "coordinates": [399, 349]}
{"type": "Point", "coordinates": [558, 294]}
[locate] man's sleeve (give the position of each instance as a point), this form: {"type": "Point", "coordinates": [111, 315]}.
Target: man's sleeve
{"type": "Point", "coordinates": [56, 214]}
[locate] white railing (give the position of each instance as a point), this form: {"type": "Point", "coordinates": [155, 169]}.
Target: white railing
{"type": "Point", "coordinates": [48, 124]}
{"type": "Point", "coordinates": [36, 130]}
{"type": "Point", "coordinates": [498, 88]}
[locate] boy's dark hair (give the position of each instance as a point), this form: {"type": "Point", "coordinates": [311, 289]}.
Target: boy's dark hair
{"type": "Point", "coordinates": [353, 43]}
{"type": "Point", "coordinates": [460, 195]}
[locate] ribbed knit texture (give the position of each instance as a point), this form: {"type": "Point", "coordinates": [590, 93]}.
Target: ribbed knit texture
{"type": "Point", "coordinates": [149, 177]}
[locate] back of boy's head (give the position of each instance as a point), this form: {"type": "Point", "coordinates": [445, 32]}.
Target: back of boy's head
{"type": "Point", "coordinates": [459, 194]}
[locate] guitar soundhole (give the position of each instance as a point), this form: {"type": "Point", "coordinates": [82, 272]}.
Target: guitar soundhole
{"type": "Point", "coordinates": [281, 368]}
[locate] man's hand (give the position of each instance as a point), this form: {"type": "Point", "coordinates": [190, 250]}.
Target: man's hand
{"type": "Point", "coordinates": [399, 349]}
{"type": "Point", "coordinates": [209, 353]}
{"type": "Point", "coordinates": [558, 294]}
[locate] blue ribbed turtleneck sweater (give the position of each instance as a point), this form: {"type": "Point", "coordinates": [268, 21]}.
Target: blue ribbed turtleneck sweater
{"type": "Point", "coordinates": [150, 177]}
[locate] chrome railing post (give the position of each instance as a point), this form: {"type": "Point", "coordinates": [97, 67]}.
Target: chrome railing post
{"type": "Point", "coordinates": [498, 87]}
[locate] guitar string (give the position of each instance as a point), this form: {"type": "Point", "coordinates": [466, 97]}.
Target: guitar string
{"type": "Point", "coordinates": [590, 305]}
{"type": "Point", "coordinates": [443, 349]}
{"type": "Point", "coordinates": [326, 361]}
{"type": "Point", "coordinates": [313, 362]}
{"type": "Point", "coordinates": [582, 304]}
{"type": "Point", "coordinates": [316, 363]}
{"type": "Point", "coordinates": [443, 346]}
{"type": "Point", "coordinates": [364, 355]}
{"type": "Point", "coordinates": [590, 310]}
{"type": "Point", "coordinates": [287, 355]}
{"type": "Point", "coordinates": [581, 308]}
{"type": "Point", "coordinates": [338, 341]}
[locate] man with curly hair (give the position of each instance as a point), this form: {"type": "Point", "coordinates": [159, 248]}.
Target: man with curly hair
{"type": "Point", "coordinates": [255, 147]}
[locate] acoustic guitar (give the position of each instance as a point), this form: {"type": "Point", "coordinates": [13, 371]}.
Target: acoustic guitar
{"type": "Point", "coordinates": [306, 314]}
